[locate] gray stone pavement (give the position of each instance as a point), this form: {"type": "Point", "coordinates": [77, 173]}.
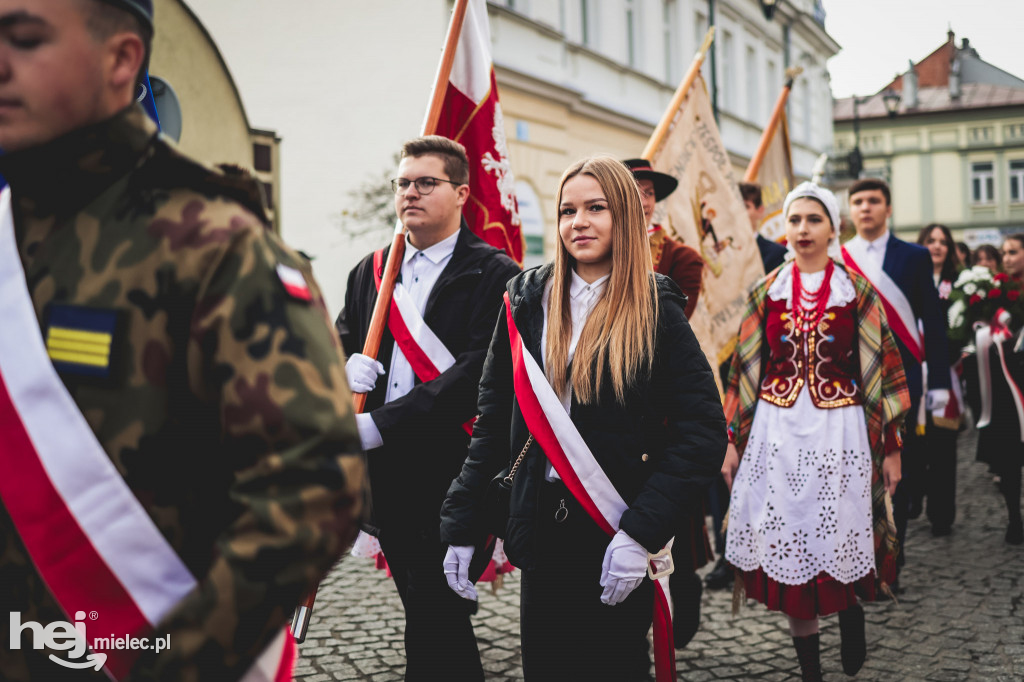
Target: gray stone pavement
{"type": "Point", "coordinates": [960, 616]}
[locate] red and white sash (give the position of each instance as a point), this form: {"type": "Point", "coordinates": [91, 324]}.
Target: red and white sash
{"type": "Point", "coordinates": [90, 539]}
{"type": "Point", "coordinates": [898, 310]}
{"type": "Point", "coordinates": [568, 453]}
{"type": "Point", "coordinates": [985, 336]}
{"type": "Point", "coordinates": [426, 354]}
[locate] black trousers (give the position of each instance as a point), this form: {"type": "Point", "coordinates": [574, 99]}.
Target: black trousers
{"type": "Point", "coordinates": [940, 475]}
{"type": "Point", "coordinates": [567, 633]}
{"type": "Point", "coordinates": [929, 470]}
{"type": "Point", "coordinates": [913, 451]}
{"type": "Point", "coordinates": [439, 640]}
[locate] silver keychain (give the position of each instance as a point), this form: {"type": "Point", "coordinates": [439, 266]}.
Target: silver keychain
{"type": "Point", "coordinates": [561, 514]}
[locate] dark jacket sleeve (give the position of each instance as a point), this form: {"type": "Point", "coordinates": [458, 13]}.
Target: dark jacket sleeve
{"type": "Point", "coordinates": [489, 449]}
{"type": "Point", "coordinates": [347, 323]}
{"type": "Point", "coordinates": [936, 342]}
{"type": "Point", "coordinates": [449, 400]}
{"type": "Point", "coordinates": [688, 398]}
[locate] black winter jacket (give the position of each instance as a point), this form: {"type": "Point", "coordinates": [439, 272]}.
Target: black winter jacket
{"type": "Point", "coordinates": [674, 417]}
{"type": "Point", "coordinates": [424, 442]}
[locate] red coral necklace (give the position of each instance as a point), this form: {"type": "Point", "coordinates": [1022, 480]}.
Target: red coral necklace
{"type": "Point", "coordinates": [810, 307]}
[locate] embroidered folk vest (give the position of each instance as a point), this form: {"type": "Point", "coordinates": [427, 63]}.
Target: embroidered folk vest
{"type": "Point", "coordinates": [823, 359]}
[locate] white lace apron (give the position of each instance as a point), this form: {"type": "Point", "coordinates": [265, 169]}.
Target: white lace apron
{"type": "Point", "coordinates": [801, 501]}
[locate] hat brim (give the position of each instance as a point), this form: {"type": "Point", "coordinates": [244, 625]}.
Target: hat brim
{"type": "Point", "coordinates": [664, 184]}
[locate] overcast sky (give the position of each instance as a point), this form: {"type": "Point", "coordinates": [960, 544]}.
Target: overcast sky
{"type": "Point", "coordinates": [879, 36]}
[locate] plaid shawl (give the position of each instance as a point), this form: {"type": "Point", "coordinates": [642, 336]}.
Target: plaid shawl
{"type": "Point", "coordinates": [883, 388]}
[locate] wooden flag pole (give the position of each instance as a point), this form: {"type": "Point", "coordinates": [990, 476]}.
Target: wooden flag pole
{"type": "Point", "coordinates": [394, 262]}
{"type": "Point", "coordinates": [658, 136]}
{"type": "Point", "coordinates": [300, 621]}
{"type": "Point", "coordinates": [773, 123]}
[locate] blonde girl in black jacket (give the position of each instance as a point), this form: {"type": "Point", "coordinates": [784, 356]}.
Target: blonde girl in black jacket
{"type": "Point", "coordinates": [615, 346]}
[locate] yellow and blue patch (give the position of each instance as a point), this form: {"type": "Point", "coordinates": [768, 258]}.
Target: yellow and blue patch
{"type": "Point", "coordinates": [79, 340]}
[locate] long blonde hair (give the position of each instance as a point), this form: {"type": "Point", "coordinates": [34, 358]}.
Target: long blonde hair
{"type": "Point", "coordinates": [619, 333]}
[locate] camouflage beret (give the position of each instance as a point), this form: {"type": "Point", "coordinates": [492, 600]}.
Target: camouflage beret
{"type": "Point", "coordinates": [143, 9]}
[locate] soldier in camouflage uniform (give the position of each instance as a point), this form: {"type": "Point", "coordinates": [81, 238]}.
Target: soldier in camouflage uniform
{"type": "Point", "coordinates": [225, 405]}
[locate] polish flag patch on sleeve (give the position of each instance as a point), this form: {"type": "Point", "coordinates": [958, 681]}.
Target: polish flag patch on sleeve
{"type": "Point", "coordinates": [294, 283]}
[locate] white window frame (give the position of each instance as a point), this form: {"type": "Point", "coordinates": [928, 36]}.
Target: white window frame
{"type": "Point", "coordinates": [983, 182]}
{"type": "Point", "coordinates": [1015, 171]}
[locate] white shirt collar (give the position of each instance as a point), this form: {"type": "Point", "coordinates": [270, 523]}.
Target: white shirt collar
{"type": "Point", "coordinates": [879, 243]}
{"type": "Point", "coordinates": [435, 253]}
{"type": "Point", "coordinates": [579, 286]}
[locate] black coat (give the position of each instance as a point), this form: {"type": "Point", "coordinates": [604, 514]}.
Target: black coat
{"type": "Point", "coordinates": [424, 442]}
{"type": "Point", "coordinates": [674, 416]}
{"type": "Point", "coordinates": [773, 254]}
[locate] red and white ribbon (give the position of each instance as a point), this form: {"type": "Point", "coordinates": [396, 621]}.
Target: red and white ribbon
{"type": "Point", "coordinates": [90, 539]}
{"type": "Point", "coordinates": [426, 353]}
{"type": "Point", "coordinates": [898, 310]}
{"type": "Point", "coordinates": [579, 470]}
{"type": "Point", "coordinates": [985, 336]}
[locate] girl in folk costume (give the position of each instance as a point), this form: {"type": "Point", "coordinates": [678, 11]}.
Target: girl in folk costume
{"type": "Point", "coordinates": [594, 369]}
{"type": "Point", "coordinates": [815, 400]}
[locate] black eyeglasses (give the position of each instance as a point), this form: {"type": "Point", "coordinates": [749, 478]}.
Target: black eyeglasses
{"type": "Point", "coordinates": [424, 185]}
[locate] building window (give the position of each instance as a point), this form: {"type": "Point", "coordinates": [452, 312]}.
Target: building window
{"type": "Point", "coordinates": [700, 27]}
{"type": "Point", "coordinates": [769, 81]}
{"type": "Point", "coordinates": [261, 155]}
{"type": "Point", "coordinates": [268, 194]}
{"type": "Point", "coordinates": [727, 71]}
{"type": "Point", "coordinates": [673, 60]}
{"type": "Point", "coordinates": [587, 32]}
{"type": "Point", "coordinates": [631, 26]}
{"type": "Point", "coordinates": [753, 86]}
{"type": "Point", "coordinates": [982, 183]}
{"type": "Point", "coordinates": [1017, 181]}
{"type": "Point", "coordinates": [808, 104]}
{"type": "Point", "coordinates": [1014, 131]}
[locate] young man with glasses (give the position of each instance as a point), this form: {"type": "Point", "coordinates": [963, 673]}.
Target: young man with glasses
{"type": "Point", "coordinates": [415, 427]}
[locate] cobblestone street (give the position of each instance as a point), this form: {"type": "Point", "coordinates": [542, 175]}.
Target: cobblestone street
{"type": "Point", "coordinates": [959, 618]}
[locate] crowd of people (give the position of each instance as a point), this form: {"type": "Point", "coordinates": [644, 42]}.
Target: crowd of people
{"type": "Point", "coordinates": [155, 328]}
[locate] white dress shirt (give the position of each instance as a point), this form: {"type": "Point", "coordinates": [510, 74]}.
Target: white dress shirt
{"type": "Point", "coordinates": [582, 299]}
{"type": "Point", "coordinates": [875, 250]}
{"type": "Point", "coordinates": [420, 270]}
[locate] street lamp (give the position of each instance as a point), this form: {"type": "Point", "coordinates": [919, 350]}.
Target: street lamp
{"type": "Point", "coordinates": [769, 7]}
{"type": "Point", "coordinates": [891, 98]}
{"type": "Point", "coordinates": [854, 160]}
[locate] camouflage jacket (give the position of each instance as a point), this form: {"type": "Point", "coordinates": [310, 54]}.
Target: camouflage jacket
{"type": "Point", "coordinates": [225, 408]}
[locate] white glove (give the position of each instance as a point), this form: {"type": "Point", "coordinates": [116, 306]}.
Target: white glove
{"type": "Point", "coordinates": [456, 571]}
{"type": "Point", "coordinates": [937, 399]}
{"type": "Point", "coordinates": [369, 434]}
{"type": "Point", "coordinates": [362, 372]}
{"type": "Point", "coordinates": [623, 569]}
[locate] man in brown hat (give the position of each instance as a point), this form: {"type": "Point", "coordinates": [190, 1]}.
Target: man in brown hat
{"type": "Point", "coordinates": [671, 257]}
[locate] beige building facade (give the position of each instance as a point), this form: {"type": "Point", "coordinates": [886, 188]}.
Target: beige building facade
{"type": "Point", "coordinates": [953, 152]}
{"type": "Point", "coordinates": [583, 77]}
{"type": "Point", "coordinates": [214, 126]}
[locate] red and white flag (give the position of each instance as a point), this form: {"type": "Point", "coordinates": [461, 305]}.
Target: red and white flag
{"type": "Point", "coordinates": [471, 115]}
